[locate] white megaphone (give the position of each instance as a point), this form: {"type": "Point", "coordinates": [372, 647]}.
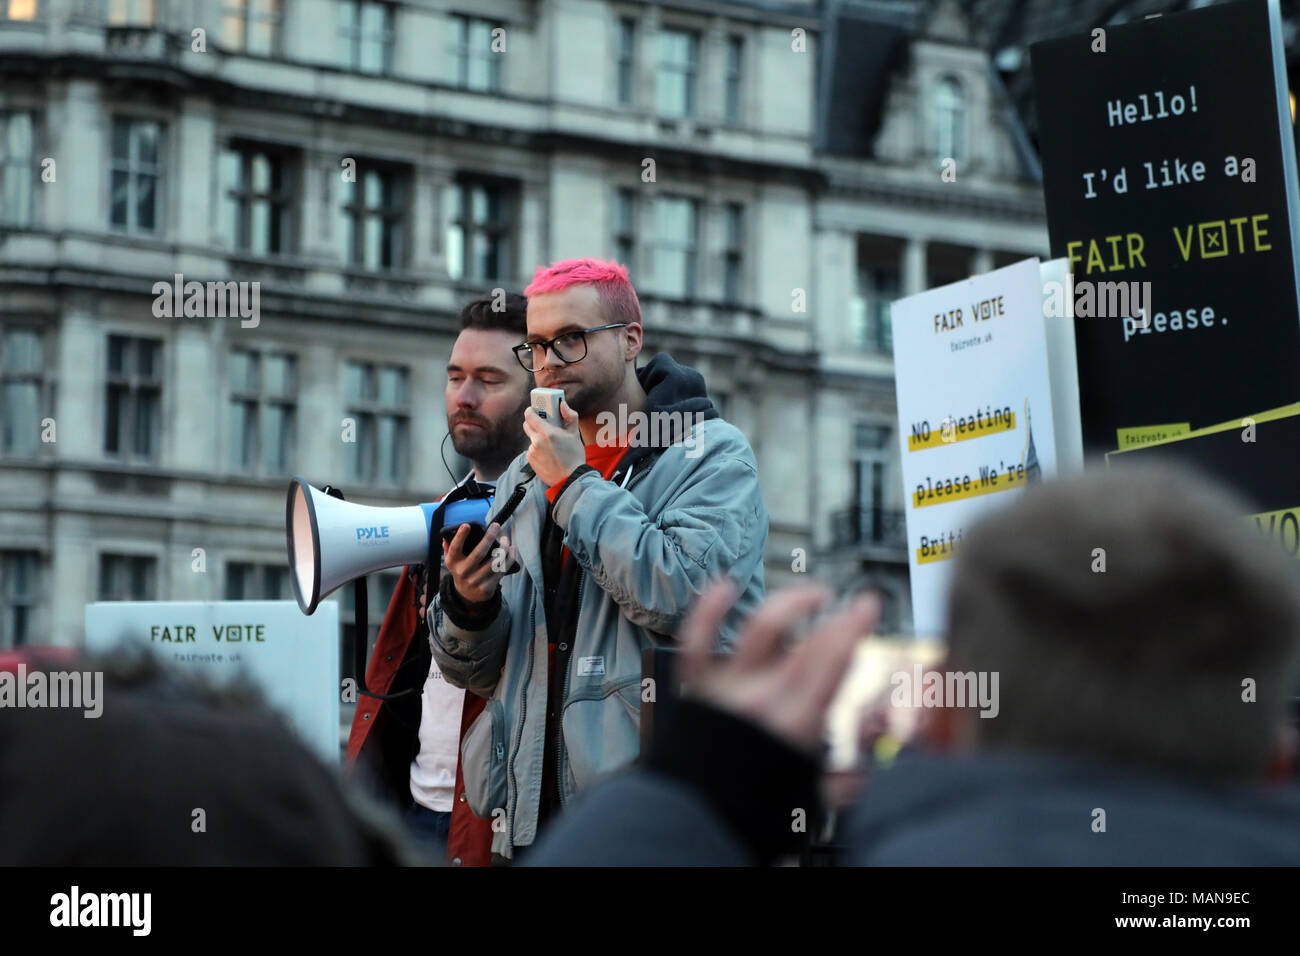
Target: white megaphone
{"type": "Point", "coordinates": [332, 541]}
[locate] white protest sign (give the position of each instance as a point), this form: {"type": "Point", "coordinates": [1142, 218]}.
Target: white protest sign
{"type": "Point", "coordinates": [974, 412]}
{"type": "Point", "coordinates": [291, 658]}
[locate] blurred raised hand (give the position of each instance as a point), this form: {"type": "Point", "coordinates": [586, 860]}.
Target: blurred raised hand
{"type": "Point", "coordinates": [785, 689]}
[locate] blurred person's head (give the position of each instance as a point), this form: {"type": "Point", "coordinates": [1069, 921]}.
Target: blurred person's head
{"type": "Point", "coordinates": [568, 298]}
{"type": "Point", "coordinates": [1148, 661]}
{"type": "Point", "coordinates": [175, 772]}
{"type": "Point", "coordinates": [487, 389]}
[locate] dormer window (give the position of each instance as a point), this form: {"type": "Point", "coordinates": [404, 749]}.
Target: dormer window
{"type": "Point", "coordinates": [948, 110]}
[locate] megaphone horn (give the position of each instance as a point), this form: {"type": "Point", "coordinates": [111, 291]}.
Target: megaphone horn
{"type": "Point", "coordinates": [332, 541]}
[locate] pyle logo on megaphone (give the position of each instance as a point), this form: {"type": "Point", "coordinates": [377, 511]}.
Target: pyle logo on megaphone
{"type": "Point", "coordinates": [372, 535]}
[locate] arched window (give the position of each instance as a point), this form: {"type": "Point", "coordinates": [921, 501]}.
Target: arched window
{"type": "Point", "coordinates": [948, 119]}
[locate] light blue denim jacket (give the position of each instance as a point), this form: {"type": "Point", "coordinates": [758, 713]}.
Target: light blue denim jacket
{"type": "Point", "coordinates": [647, 550]}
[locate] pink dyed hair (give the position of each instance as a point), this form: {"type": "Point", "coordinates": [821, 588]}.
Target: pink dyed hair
{"type": "Point", "coordinates": [617, 297]}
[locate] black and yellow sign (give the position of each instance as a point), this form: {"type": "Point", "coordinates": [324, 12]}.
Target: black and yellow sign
{"type": "Point", "coordinates": [1169, 166]}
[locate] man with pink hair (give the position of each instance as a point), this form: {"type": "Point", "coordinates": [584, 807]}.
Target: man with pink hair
{"type": "Point", "coordinates": [637, 499]}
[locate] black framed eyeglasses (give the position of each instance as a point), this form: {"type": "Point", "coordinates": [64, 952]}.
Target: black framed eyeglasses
{"type": "Point", "coordinates": [569, 348]}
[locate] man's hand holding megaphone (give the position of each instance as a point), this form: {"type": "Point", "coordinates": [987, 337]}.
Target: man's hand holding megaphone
{"type": "Point", "coordinates": [476, 575]}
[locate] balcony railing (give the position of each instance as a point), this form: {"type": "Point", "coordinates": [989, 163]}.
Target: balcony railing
{"type": "Point", "coordinates": [856, 526]}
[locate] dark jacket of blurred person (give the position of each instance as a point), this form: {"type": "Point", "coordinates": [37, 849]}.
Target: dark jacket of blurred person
{"type": "Point", "coordinates": [928, 809]}
{"type": "Point", "coordinates": [1147, 641]}
{"type": "Point", "coordinates": [124, 788]}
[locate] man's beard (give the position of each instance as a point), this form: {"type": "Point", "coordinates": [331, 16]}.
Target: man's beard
{"type": "Point", "coordinates": [494, 442]}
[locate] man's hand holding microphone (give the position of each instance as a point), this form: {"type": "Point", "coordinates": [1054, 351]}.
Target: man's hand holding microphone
{"type": "Point", "coordinates": [556, 448]}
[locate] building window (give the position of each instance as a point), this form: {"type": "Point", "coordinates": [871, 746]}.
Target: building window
{"type": "Point", "coordinates": [18, 570]}
{"type": "Point", "coordinates": [733, 254]}
{"type": "Point", "coordinates": [480, 230]}
{"type": "Point", "coordinates": [675, 247]}
{"type": "Point", "coordinates": [136, 174]}
{"type": "Point", "coordinates": [869, 323]}
{"type": "Point", "coordinates": [132, 420]}
{"type": "Point", "coordinates": [127, 577]}
{"type": "Point", "coordinates": [734, 73]}
{"type": "Point", "coordinates": [679, 54]}
{"type": "Point", "coordinates": [18, 9]}
{"type": "Point", "coordinates": [17, 168]}
{"type": "Point", "coordinates": [263, 405]}
{"type": "Point", "coordinates": [949, 111]}
{"type": "Point", "coordinates": [252, 26]}
{"type": "Point", "coordinates": [132, 13]}
{"type": "Point", "coordinates": [257, 582]}
{"type": "Point", "coordinates": [379, 404]}
{"type": "Point", "coordinates": [870, 460]}
{"type": "Point", "coordinates": [366, 36]}
{"type": "Point", "coordinates": [21, 390]}
{"type": "Point", "coordinates": [626, 61]}
{"type": "Point", "coordinates": [255, 200]}
{"type": "Point", "coordinates": [372, 220]}
{"type": "Point", "coordinates": [474, 64]}
{"type": "Point", "coordinates": [625, 226]}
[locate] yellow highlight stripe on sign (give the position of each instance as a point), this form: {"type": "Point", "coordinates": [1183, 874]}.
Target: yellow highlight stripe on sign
{"type": "Point", "coordinates": [1006, 481]}
{"type": "Point", "coordinates": [919, 443]}
{"type": "Point", "coordinates": [935, 555]}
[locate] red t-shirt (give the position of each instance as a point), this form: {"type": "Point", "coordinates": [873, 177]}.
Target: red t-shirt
{"type": "Point", "coordinates": [604, 458]}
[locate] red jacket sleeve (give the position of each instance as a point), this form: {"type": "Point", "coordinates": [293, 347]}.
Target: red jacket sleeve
{"type": "Point", "coordinates": [395, 634]}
